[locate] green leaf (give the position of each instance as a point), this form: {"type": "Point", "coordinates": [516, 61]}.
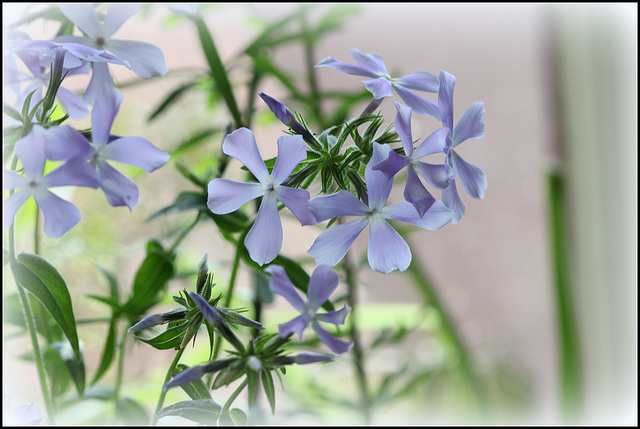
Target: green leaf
{"type": "Point", "coordinates": [151, 279]}
{"type": "Point", "coordinates": [169, 339]}
{"type": "Point", "coordinates": [171, 98]}
{"type": "Point", "coordinates": [218, 70]}
{"type": "Point", "coordinates": [41, 279]}
{"type": "Point", "coordinates": [238, 416]}
{"type": "Point", "coordinates": [108, 352]}
{"type": "Point", "coordinates": [269, 389]}
{"type": "Point", "coordinates": [131, 412]}
{"type": "Point", "coordinates": [11, 112]}
{"type": "Point", "coordinates": [74, 365]}
{"type": "Point", "coordinates": [203, 411]}
{"type": "Point", "coordinates": [252, 386]}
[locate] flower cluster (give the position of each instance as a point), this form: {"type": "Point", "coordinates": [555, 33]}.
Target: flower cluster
{"type": "Point", "coordinates": [35, 71]}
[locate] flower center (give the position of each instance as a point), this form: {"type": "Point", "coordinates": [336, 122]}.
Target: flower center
{"type": "Point", "coordinates": [100, 42]}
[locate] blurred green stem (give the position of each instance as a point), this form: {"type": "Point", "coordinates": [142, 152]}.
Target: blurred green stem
{"type": "Point", "coordinates": [163, 393]}
{"type": "Point", "coordinates": [570, 354]}
{"type": "Point", "coordinates": [120, 370]}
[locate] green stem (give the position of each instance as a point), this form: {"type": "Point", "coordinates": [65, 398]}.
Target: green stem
{"type": "Point", "coordinates": [311, 71]}
{"type": "Point", "coordinates": [356, 350]}
{"type": "Point", "coordinates": [29, 320]}
{"type": "Point", "coordinates": [234, 395]}
{"type": "Point", "coordinates": [120, 370]}
{"type": "Point", "coordinates": [229, 294]}
{"type": "Point", "coordinates": [184, 233]}
{"type": "Point", "coordinates": [163, 393]}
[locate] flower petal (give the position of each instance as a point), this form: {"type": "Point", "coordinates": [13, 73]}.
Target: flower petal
{"type": "Point", "coordinates": [336, 345]}
{"type": "Point", "coordinates": [416, 193]}
{"type": "Point", "coordinates": [104, 112]}
{"type": "Point", "coordinates": [387, 250]}
{"type": "Point", "coordinates": [470, 124]}
{"type": "Point", "coordinates": [212, 315]}
{"type": "Point", "coordinates": [306, 358]}
{"type": "Point", "coordinates": [379, 87]}
{"type": "Point", "coordinates": [146, 60]}
{"type": "Point", "coordinates": [331, 246]}
{"type": "Point", "coordinates": [31, 152]}
{"type": "Point", "coordinates": [419, 104]}
{"type": "Point", "coordinates": [100, 82]}
{"type": "Point", "coordinates": [435, 174]}
{"type": "Point", "coordinates": [116, 15]}
{"type": "Point", "coordinates": [11, 205]}
{"type": "Point", "coordinates": [378, 183]}
{"type": "Point", "coordinates": [445, 98]}
{"type": "Point", "coordinates": [336, 317]}
{"type": "Point", "coordinates": [226, 196]}
{"type": "Point", "coordinates": [402, 126]}
{"type": "Point", "coordinates": [241, 144]}
{"type": "Point", "coordinates": [264, 240]}
{"type": "Point", "coordinates": [394, 163]}
{"type": "Point", "coordinates": [12, 180]}
{"type": "Point", "coordinates": [77, 172]}
{"type": "Point", "coordinates": [280, 284]}
{"type": "Point", "coordinates": [118, 188]}
{"type": "Point", "coordinates": [84, 16]}
{"type": "Point", "coordinates": [136, 151]}
{"type": "Point", "coordinates": [472, 178]}
{"type": "Point", "coordinates": [296, 200]}
{"type": "Point", "coordinates": [342, 203]}
{"type": "Point", "coordinates": [292, 150]}
{"type": "Point", "coordinates": [322, 284]}
{"type": "Point", "coordinates": [435, 218]}
{"type": "Point", "coordinates": [435, 143]}
{"type": "Point", "coordinates": [371, 61]}
{"type": "Point", "coordinates": [419, 81]}
{"type": "Point", "coordinates": [59, 215]}
{"type": "Point", "coordinates": [73, 104]}
{"type": "Point", "coordinates": [64, 143]}
{"type": "Point", "coordinates": [352, 69]}
{"type": "Point", "coordinates": [452, 200]}
{"type": "Point", "coordinates": [296, 325]}
{"type": "Point", "coordinates": [154, 319]}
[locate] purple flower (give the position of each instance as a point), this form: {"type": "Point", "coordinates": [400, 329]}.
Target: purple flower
{"type": "Point", "coordinates": [285, 115]}
{"type": "Point", "coordinates": [146, 60]}
{"type": "Point", "coordinates": [470, 125]}
{"type": "Point", "coordinates": [66, 143]}
{"type": "Point", "coordinates": [264, 240]}
{"type": "Point", "coordinates": [59, 215]}
{"type": "Point", "coordinates": [322, 284]}
{"type": "Point", "coordinates": [435, 175]}
{"type": "Point", "coordinates": [372, 65]}
{"type": "Point", "coordinates": [387, 250]}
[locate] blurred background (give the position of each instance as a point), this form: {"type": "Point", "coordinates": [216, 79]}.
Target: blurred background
{"type": "Point", "coordinates": [559, 83]}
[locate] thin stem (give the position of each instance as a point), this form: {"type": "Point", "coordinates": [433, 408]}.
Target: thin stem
{"type": "Point", "coordinates": [163, 393]}
{"type": "Point", "coordinates": [229, 294]}
{"type": "Point", "coordinates": [356, 350]}
{"type": "Point", "coordinates": [29, 320]}
{"type": "Point", "coordinates": [233, 396]}
{"type": "Point", "coordinates": [36, 232]}
{"type": "Point", "coordinates": [184, 233]}
{"type": "Point", "coordinates": [120, 370]}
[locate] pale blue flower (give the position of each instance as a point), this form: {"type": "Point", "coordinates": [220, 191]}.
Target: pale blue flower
{"type": "Point", "coordinates": [20, 415]}
{"type": "Point", "coordinates": [145, 59]}
{"type": "Point", "coordinates": [470, 125]}
{"type": "Point", "coordinates": [65, 144]}
{"type": "Point", "coordinates": [387, 250]}
{"type": "Point", "coordinates": [435, 175]}
{"type": "Point", "coordinates": [322, 284]}
{"type": "Point", "coordinates": [372, 66]}
{"type": "Point", "coordinates": [59, 215]}
{"type": "Point", "coordinates": [264, 240]}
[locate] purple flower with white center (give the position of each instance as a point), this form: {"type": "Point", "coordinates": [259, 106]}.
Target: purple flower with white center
{"type": "Point", "coordinates": [59, 215]}
{"type": "Point", "coordinates": [66, 144]}
{"type": "Point", "coordinates": [371, 65]}
{"type": "Point", "coordinates": [146, 60]}
{"type": "Point", "coordinates": [264, 240]}
{"type": "Point", "coordinates": [435, 175]}
{"type": "Point", "coordinates": [387, 250]}
{"type": "Point", "coordinates": [470, 125]}
{"type": "Point", "coordinates": [322, 284]}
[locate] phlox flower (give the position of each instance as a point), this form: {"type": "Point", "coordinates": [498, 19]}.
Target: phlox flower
{"type": "Point", "coordinates": [435, 175]}
{"type": "Point", "coordinates": [387, 250]}
{"type": "Point", "coordinates": [371, 65]}
{"type": "Point", "coordinates": [65, 143]}
{"type": "Point", "coordinates": [470, 125]}
{"type": "Point", "coordinates": [146, 60]}
{"type": "Point", "coordinates": [322, 284]}
{"type": "Point", "coordinates": [264, 240]}
{"type": "Point", "coordinates": [59, 215]}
